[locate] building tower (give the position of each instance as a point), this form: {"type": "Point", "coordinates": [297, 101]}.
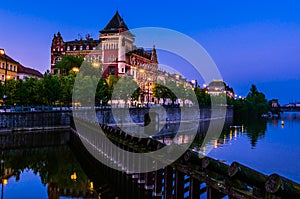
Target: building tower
{"type": "Point", "coordinates": [57, 51]}
{"type": "Point", "coordinates": [116, 42]}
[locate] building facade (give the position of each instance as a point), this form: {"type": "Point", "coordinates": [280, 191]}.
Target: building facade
{"type": "Point", "coordinates": [15, 70]}
{"type": "Point", "coordinates": [114, 51]}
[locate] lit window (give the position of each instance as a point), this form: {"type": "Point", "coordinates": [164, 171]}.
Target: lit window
{"type": "Point", "coordinates": [68, 48]}
{"type": "Point", "coordinates": [111, 58]}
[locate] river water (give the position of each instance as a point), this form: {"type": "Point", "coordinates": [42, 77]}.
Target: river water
{"type": "Point", "coordinates": [269, 146]}
{"type": "Point", "coordinates": [265, 145]}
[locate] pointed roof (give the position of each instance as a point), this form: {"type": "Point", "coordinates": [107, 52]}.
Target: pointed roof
{"type": "Point", "coordinates": [115, 24]}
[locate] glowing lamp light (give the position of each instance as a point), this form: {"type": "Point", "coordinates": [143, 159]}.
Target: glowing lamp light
{"type": "Point", "coordinates": [142, 70]}
{"type": "Point", "coordinates": [91, 185]}
{"type": "Point", "coordinates": [216, 144]}
{"type": "Point", "coordinates": [96, 65]}
{"type": "Point", "coordinates": [75, 69]}
{"type": "Point", "coordinates": [74, 176]}
{"type": "Point", "coordinates": [4, 181]}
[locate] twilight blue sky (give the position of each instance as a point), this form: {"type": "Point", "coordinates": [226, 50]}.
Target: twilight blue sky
{"type": "Point", "coordinates": [257, 42]}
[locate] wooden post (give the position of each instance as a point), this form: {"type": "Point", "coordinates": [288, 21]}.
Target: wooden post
{"type": "Point", "coordinates": [282, 187]}
{"type": "Point", "coordinates": [247, 175]}
{"type": "Point", "coordinates": [215, 165]}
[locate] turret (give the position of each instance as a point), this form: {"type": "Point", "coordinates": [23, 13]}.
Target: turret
{"type": "Point", "coordinates": [154, 55]}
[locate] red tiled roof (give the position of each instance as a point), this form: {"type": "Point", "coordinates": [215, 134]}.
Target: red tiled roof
{"type": "Point", "coordinates": [29, 71]}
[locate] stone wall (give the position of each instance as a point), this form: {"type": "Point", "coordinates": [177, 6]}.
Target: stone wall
{"type": "Point", "coordinates": [34, 120]}
{"type": "Point", "coordinates": [137, 115]}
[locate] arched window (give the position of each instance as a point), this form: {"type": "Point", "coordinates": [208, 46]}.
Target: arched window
{"type": "Point", "coordinates": [57, 59]}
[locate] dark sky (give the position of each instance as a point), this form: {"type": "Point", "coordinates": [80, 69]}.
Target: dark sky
{"type": "Point", "coordinates": [253, 42]}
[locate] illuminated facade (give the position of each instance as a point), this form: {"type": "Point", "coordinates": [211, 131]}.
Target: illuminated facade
{"type": "Point", "coordinates": [114, 51]}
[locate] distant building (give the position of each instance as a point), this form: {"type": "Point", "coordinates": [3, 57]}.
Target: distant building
{"type": "Point", "coordinates": [25, 72]}
{"type": "Point", "coordinates": [15, 70]}
{"type": "Point", "coordinates": [12, 67]}
{"type": "Point", "coordinates": [218, 87]}
{"type": "Point", "coordinates": [114, 51]}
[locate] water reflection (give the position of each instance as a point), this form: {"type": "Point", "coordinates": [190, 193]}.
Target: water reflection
{"type": "Point", "coordinates": [56, 167]}
{"type": "Point", "coordinates": [267, 145]}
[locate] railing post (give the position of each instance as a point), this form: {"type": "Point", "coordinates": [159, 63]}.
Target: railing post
{"type": "Point", "coordinates": [158, 182]}
{"type": "Point", "coordinates": [179, 185]}
{"type": "Point", "coordinates": [194, 188]}
{"type": "Point", "coordinates": [168, 182]}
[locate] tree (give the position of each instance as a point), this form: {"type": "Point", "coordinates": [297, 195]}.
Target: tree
{"type": "Point", "coordinates": [68, 62]}
{"type": "Point", "coordinates": [160, 91]}
{"type": "Point", "coordinates": [102, 93]}
{"type": "Point", "coordinates": [257, 102]}
{"type": "Point", "coordinates": [126, 89]}
{"type": "Point", "coordinates": [202, 96]}
{"type": "Point", "coordinates": [51, 88]}
{"type": "Point", "coordinates": [67, 84]}
{"type": "Point", "coordinates": [253, 106]}
{"type": "Point", "coordinates": [85, 89]}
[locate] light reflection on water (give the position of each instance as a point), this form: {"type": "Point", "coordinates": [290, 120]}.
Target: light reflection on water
{"type": "Point", "coordinates": [269, 147]}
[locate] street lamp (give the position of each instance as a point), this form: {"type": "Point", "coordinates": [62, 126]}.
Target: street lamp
{"type": "Point", "coordinates": [195, 83]}
{"type": "Point", "coordinates": [148, 101]}
{"type": "Point", "coordinates": [2, 52]}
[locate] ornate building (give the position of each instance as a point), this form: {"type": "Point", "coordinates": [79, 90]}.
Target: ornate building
{"type": "Point", "coordinates": [114, 51]}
